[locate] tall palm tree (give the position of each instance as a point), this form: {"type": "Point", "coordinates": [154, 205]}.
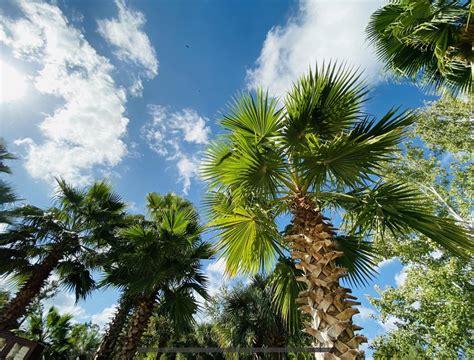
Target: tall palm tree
{"type": "Point", "coordinates": [321, 154]}
{"type": "Point", "coordinates": [64, 239]}
{"type": "Point", "coordinates": [430, 40]}
{"type": "Point", "coordinates": [157, 261]}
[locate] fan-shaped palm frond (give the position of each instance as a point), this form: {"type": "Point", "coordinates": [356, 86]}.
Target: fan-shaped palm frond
{"type": "Point", "coordinates": [431, 40]}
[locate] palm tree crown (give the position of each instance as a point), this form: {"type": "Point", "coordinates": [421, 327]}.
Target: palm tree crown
{"type": "Point", "coordinates": [428, 40]}
{"type": "Point", "coordinates": [157, 261]}
{"type": "Point", "coordinates": [64, 238]}
{"type": "Point", "coordinates": [320, 152]}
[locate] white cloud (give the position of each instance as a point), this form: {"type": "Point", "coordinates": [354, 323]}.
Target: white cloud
{"type": "Point", "coordinates": [401, 277]}
{"type": "Point", "coordinates": [65, 303]}
{"type": "Point", "coordinates": [321, 31]}
{"type": "Point", "coordinates": [167, 133]}
{"type": "Point", "coordinates": [365, 313]}
{"type": "Point", "coordinates": [87, 130]}
{"type": "Point", "coordinates": [188, 168]}
{"type": "Point", "coordinates": [385, 263]}
{"type": "Point", "coordinates": [215, 272]}
{"type": "Point", "coordinates": [416, 305]}
{"type": "Point", "coordinates": [132, 44]}
{"type": "Point", "coordinates": [104, 316]}
{"type": "Point", "coordinates": [390, 323]}
{"type": "Point", "coordinates": [437, 254]}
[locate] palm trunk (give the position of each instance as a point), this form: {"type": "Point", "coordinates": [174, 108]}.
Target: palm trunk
{"type": "Point", "coordinates": [109, 341]}
{"type": "Point", "coordinates": [137, 326]}
{"type": "Point", "coordinates": [328, 305]}
{"type": "Point", "coordinates": [18, 306]}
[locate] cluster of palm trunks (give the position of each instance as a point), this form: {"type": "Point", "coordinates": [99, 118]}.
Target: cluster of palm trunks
{"type": "Point", "coordinates": [328, 306]}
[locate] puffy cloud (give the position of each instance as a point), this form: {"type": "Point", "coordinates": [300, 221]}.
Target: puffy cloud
{"type": "Point", "coordinates": [170, 134]}
{"type": "Point", "coordinates": [104, 316]}
{"type": "Point", "coordinates": [65, 303]}
{"type": "Point", "coordinates": [401, 277]}
{"type": "Point", "coordinates": [87, 130]}
{"type": "Point", "coordinates": [131, 43]}
{"type": "Point", "coordinates": [390, 323]}
{"type": "Point", "coordinates": [365, 313]}
{"type": "Point", "coordinates": [215, 271]}
{"type": "Point", "coordinates": [321, 31]}
{"type": "Point", "coordinates": [188, 168]}
{"type": "Point", "coordinates": [386, 262]}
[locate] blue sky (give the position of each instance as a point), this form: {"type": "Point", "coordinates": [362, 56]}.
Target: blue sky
{"type": "Point", "coordinates": [131, 91]}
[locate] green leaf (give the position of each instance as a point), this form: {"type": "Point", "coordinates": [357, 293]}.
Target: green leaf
{"type": "Point", "coordinates": [248, 239]}
{"type": "Point", "coordinates": [285, 290]}
{"type": "Point", "coordinates": [401, 208]}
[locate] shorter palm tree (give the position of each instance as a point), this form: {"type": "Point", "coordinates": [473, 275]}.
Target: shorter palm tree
{"type": "Point", "coordinates": [62, 239]}
{"type": "Point", "coordinates": [157, 261]}
{"type": "Point", "coordinates": [246, 316]}
{"type": "Point", "coordinates": [431, 40]}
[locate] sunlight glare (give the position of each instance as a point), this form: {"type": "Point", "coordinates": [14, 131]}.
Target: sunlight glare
{"type": "Point", "coordinates": [12, 83]}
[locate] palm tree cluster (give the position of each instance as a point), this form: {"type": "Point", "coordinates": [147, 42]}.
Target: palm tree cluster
{"type": "Point", "coordinates": [154, 260]}
{"type": "Point", "coordinates": [278, 177]}
{"type": "Point", "coordinates": [320, 154]}
{"type": "Point", "coordinates": [431, 40]}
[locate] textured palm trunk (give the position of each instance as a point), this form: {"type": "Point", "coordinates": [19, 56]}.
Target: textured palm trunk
{"type": "Point", "coordinates": [17, 307]}
{"type": "Point", "coordinates": [109, 342]}
{"type": "Point", "coordinates": [137, 326]}
{"type": "Point", "coordinates": [328, 305]}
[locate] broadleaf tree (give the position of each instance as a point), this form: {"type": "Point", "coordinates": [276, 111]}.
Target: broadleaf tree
{"type": "Point", "coordinates": [433, 304]}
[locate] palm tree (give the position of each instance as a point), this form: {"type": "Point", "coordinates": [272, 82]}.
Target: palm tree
{"type": "Point", "coordinates": [115, 327]}
{"type": "Point", "coordinates": [53, 330]}
{"type": "Point", "coordinates": [63, 239]}
{"type": "Point", "coordinates": [428, 40]}
{"type": "Point", "coordinates": [321, 154]}
{"type": "Point", "coordinates": [62, 338]}
{"type": "Point", "coordinates": [157, 262]}
{"type": "Point", "coordinates": [7, 196]}
{"type": "Point", "coordinates": [245, 316]}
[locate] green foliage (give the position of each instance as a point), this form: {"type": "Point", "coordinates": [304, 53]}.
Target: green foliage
{"type": "Point", "coordinates": [433, 305]}
{"type": "Point", "coordinates": [427, 40]}
{"type": "Point", "coordinates": [62, 338]}
{"type": "Point", "coordinates": [434, 310]}
{"type": "Point", "coordinates": [7, 195]}
{"type": "Point", "coordinates": [80, 224]}
{"type": "Point", "coordinates": [244, 316]}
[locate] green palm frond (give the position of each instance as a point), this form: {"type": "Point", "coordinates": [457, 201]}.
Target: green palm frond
{"type": "Point", "coordinates": [255, 117]}
{"type": "Point", "coordinates": [69, 196]}
{"type": "Point", "coordinates": [401, 209]}
{"type": "Point", "coordinates": [425, 39]}
{"type": "Point", "coordinates": [247, 160]}
{"type": "Point", "coordinates": [359, 259]}
{"type": "Point", "coordinates": [5, 155]}
{"type": "Point", "coordinates": [179, 305]}
{"type": "Point", "coordinates": [76, 277]}
{"type": "Point", "coordinates": [324, 102]}
{"type": "Point", "coordinates": [212, 165]}
{"type": "Point", "coordinates": [248, 237]}
{"type": "Point", "coordinates": [285, 290]}
{"type": "Point", "coordinates": [351, 158]}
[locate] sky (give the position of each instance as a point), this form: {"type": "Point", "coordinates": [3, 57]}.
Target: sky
{"type": "Point", "coordinates": [131, 92]}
